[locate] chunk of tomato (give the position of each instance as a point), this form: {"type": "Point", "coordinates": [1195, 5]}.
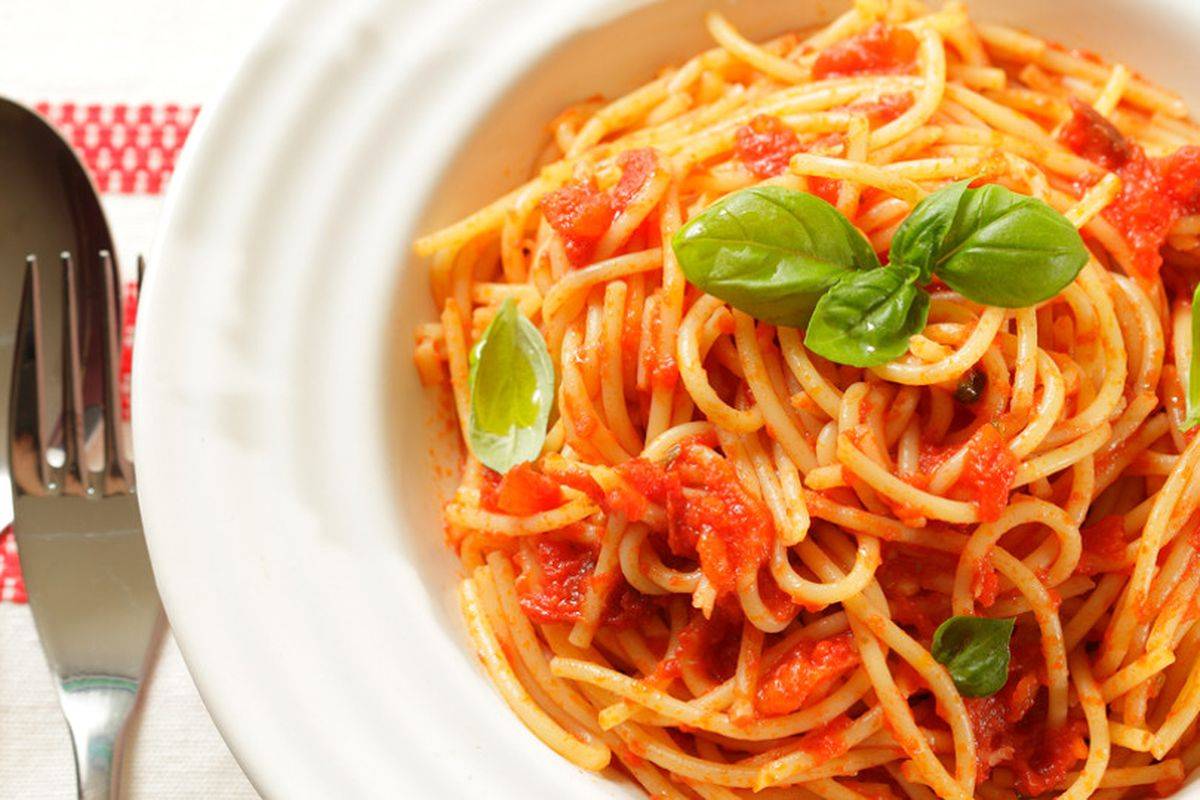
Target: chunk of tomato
{"type": "Point", "coordinates": [879, 50]}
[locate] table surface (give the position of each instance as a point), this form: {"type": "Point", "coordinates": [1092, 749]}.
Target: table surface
{"type": "Point", "coordinates": [117, 52]}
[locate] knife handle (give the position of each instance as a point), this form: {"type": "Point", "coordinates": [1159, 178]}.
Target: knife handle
{"type": "Point", "coordinates": [96, 709]}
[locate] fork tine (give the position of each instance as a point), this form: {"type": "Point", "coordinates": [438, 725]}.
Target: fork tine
{"type": "Point", "coordinates": [30, 416]}
{"type": "Point", "coordinates": [73, 408]}
{"type": "Point", "coordinates": [114, 440]}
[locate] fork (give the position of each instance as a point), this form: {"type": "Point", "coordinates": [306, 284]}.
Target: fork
{"type": "Point", "coordinates": [76, 520]}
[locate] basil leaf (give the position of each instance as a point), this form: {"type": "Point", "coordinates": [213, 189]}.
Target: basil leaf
{"type": "Point", "coordinates": [1193, 389]}
{"type": "Point", "coordinates": [975, 652]}
{"type": "Point", "coordinates": [920, 237]}
{"type": "Point", "coordinates": [867, 317]}
{"type": "Point", "coordinates": [771, 252]}
{"type": "Point", "coordinates": [512, 391]}
{"type": "Point", "coordinates": [991, 245]}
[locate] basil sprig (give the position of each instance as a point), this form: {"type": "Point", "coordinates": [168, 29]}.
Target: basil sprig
{"type": "Point", "coordinates": [1193, 388]}
{"type": "Point", "coordinates": [790, 258]}
{"type": "Point", "coordinates": [771, 252]}
{"type": "Point", "coordinates": [512, 391]}
{"type": "Point", "coordinates": [867, 317]}
{"type": "Point", "coordinates": [974, 650]}
{"type": "Point", "coordinates": [991, 245]}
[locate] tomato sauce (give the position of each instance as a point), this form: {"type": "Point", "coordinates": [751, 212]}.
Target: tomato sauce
{"type": "Point", "coordinates": [827, 741]}
{"type": "Point", "coordinates": [985, 583]}
{"type": "Point", "coordinates": [1143, 212]}
{"type": "Point", "coordinates": [1010, 726]}
{"type": "Point", "coordinates": [1039, 756]}
{"type": "Point", "coordinates": [1044, 757]}
{"type": "Point", "coordinates": [710, 516]}
{"type": "Point", "coordinates": [808, 668]}
{"type": "Point", "coordinates": [1020, 695]}
{"type": "Point", "coordinates": [879, 50]}
{"type": "Point", "coordinates": [1091, 135]}
{"type": "Point", "coordinates": [906, 575]}
{"type": "Point", "coordinates": [661, 370]}
{"type": "Point", "coordinates": [558, 592]}
{"type": "Point", "coordinates": [776, 600]}
{"type": "Point", "coordinates": [1181, 174]}
{"type": "Point", "coordinates": [637, 166]}
{"type": "Point", "coordinates": [521, 491]}
{"type": "Point", "coordinates": [627, 606]}
{"type": "Point", "coordinates": [930, 459]}
{"type": "Point", "coordinates": [921, 612]}
{"type": "Point", "coordinates": [709, 644]}
{"type": "Point", "coordinates": [643, 480]}
{"type": "Point", "coordinates": [650, 479]}
{"type": "Point", "coordinates": [988, 472]}
{"type": "Point", "coordinates": [553, 588]}
{"type": "Point", "coordinates": [650, 231]}
{"type": "Point", "coordinates": [581, 418]}
{"type": "Point", "coordinates": [766, 145]}
{"type": "Point", "coordinates": [1027, 659]}
{"type": "Point", "coordinates": [581, 213]}
{"type": "Point", "coordinates": [824, 188]}
{"type": "Point", "coordinates": [992, 733]}
{"type": "Point", "coordinates": [578, 478]}
{"type": "Point", "coordinates": [1155, 193]}
{"type": "Point", "coordinates": [1104, 547]}
{"type": "Point", "coordinates": [883, 109]}
{"type": "Point", "coordinates": [989, 469]}
{"type": "Point", "coordinates": [632, 505]}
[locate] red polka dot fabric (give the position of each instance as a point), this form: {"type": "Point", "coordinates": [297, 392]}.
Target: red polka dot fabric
{"type": "Point", "coordinates": [129, 150]}
{"type": "Point", "coordinates": [12, 588]}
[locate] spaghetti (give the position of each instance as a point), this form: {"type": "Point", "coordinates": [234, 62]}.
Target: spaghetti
{"type": "Point", "coordinates": [729, 563]}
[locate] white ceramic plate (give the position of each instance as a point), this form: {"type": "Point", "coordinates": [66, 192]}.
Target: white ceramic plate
{"type": "Point", "coordinates": [286, 453]}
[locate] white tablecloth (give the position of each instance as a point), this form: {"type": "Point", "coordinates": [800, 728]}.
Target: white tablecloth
{"type": "Point", "coordinates": [117, 51]}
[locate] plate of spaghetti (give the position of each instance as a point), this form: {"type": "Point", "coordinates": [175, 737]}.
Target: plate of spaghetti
{"type": "Point", "coordinates": [818, 410]}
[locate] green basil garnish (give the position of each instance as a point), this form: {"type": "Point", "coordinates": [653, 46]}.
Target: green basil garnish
{"type": "Point", "coordinates": [512, 391]}
{"type": "Point", "coordinates": [867, 317]}
{"type": "Point", "coordinates": [1193, 379]}
{"type": "Point", "coordinates": [991, 245]}
{"type": "Point", "coordinates": [974, 650]}
{"type": "Point", "coordinates": [924, 229]}
{"type": "Point", "coordinates": [771, 252]}
{"type": "Point", "coordinates": [790, 258]}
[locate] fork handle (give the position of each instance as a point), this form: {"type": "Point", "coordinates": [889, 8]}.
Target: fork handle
{"type": "Point", "coordinates": [97, 714]}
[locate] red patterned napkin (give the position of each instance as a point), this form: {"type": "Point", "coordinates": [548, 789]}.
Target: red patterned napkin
{"type": "Point", "coordinates": [129, 149]}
